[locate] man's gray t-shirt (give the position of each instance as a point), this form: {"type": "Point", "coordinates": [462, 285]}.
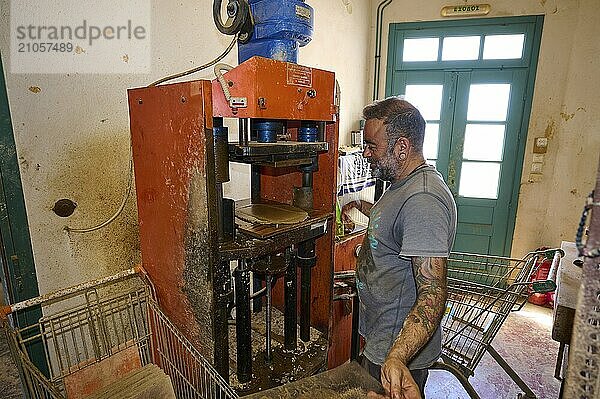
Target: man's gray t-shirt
{"type": "Point", "coordinates": [415, 217]}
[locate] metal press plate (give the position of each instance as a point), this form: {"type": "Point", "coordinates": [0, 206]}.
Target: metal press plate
{"type": "Point", "coordinates": [278, 148]}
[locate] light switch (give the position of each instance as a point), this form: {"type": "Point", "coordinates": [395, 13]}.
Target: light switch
{"type": "Point", "coordinates": [540, 145]}
{"type": "Point", "coordinates": [538, 158]}
{"type": "Point", "coordinates": [535, 177]}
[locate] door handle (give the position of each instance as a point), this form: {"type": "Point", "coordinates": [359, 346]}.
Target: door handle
{"type": "Point", "coordinates": [357, 250]}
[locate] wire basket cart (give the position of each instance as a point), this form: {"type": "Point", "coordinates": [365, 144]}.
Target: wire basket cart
{"type": "Point", "coordinates": [482, 291]}
{"type": "Point", "coordinates": [114, 319]}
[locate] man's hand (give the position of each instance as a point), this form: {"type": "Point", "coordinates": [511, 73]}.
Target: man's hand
{"type": "Point", "coordinates": [397, 381]}
{"type": "Point", "coordinates": [346, 220]}
{"type": "Point", "coordinates": [363, 206]}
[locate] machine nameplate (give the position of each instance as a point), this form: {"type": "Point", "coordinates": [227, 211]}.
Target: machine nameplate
{"type": "Point", "coordinates": [298, 75]}
{"type": "Point", "coordinates": [303, 12]}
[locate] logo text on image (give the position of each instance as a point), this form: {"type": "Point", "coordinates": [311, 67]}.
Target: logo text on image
{"type": "Point", "coordinates": [68, 36]}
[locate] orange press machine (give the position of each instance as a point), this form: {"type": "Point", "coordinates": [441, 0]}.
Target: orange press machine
{"type": "Point", "coordinates": [192, 237]}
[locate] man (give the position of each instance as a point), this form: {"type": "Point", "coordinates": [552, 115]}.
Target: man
{"type": "Point", "coordinates": [401, 271]}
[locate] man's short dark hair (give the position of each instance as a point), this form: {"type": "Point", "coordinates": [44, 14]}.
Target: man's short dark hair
{"type": "Point", "coordinates": [401, 118]}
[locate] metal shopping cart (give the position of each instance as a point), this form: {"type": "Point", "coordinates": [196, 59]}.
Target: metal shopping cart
{"type": "Point", "coordinates": [482, 291]}
{"type": "Point", "coordinates": [114, 319]}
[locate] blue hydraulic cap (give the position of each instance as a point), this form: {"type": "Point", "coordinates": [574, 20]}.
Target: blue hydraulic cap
{"type": "Point", "coordinates": [266, 130]}
{"type": "Point", "coordinates": [308, 132]}
{"type": "Point", "coordinates": [280, 27]}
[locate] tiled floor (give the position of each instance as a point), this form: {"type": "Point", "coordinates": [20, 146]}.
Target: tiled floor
{"type": "Point", "coordinates": [524, 341]}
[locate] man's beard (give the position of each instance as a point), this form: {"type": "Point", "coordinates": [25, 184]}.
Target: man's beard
{"type": "Point", "coordinates": [385, 169]}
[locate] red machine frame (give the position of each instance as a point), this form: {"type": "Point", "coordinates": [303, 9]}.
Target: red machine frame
{"type": "Point", "coordinates": [178, 196]}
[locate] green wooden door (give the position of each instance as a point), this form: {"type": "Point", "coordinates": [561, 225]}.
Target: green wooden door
{"type": "Point", "coordinates": [473, 86]}
{"type": "Point", "coordinates": [483, 155]}
{"type": "Point", "coordinates": [17, 269]}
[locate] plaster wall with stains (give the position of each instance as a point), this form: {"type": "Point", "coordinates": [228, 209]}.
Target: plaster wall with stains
{"type": "Point", "coordinates": [565, 108]}
{"type": "Point", "coordinates": [72, 130]}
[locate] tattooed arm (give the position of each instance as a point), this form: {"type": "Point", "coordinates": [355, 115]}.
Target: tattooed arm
{"type": "Point", "coordinates": [419, 326]}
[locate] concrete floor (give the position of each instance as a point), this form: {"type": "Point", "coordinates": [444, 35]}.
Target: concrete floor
{"type": "Point", "coordinates": [524, 341]}
{"type": "Point", "coordinates": [9, 376]}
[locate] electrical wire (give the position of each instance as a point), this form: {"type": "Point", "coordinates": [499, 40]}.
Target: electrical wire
{"type": "Point", "coordinates": [117, 213]}
{"type": "Point", "coordinates": [378, 32]}
{"type": "Point", "coordinates": [199, 68]}
{"type": "Point", "coordinates": [221, 79]}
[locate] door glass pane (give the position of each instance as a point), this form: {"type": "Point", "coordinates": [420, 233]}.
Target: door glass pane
{"type": "Point", "coordinates": [425, 49]}
{"type": "Point", "coordinates": [488, 102]}
{"type": "Point", "coordinates": [483, 142]}
{"type": "Point", "coordinates": [427, 99]}
{"type": "Point", "coordinates": [460, 48]}
{"type": "Point", "coordinates": [430, 144]}
{"type": "Point", "coordinates": [501, 47]}
{"type": "Point", "coordinates": [479, 179]}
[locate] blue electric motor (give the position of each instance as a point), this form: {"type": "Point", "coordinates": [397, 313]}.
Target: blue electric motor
{"type": "Point", "coordinates": [280, 27]}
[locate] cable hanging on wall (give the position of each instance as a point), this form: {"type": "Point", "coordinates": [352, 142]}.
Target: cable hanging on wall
{"type": "Point", "coordinates": [239, 23]}
{"type": "Point", "coordinates": [199, 68]}
{"type": "Point", "coordinates": [118, 212]}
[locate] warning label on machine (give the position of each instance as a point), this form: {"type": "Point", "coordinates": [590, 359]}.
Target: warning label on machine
{"type": "Point", "coordinates": [298, 75]}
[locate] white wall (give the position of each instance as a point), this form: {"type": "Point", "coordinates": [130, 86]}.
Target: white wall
{"type": "Point", "coordinates": [72, 136]}
{"type": "Point", "coordinates": [340, 44]}
{"type": "Point", "coordinates": [565, 109]}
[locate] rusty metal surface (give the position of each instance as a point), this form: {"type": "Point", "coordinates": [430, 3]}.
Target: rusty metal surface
{"type": "Point", "coordinates": [171, 133]}
{"type": "Point", "coordinates": [83, 383]}
{"type": "Point", "coordinates": [344, 258]}
{"type": "Point", "coordinates": [59, 294]}
{"type": "Point", "coordinates": [277, 90]}
{"type": "Point", "coordinates": [334, 384]}
{"type": "Point", "coordinates": [583, 374]}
